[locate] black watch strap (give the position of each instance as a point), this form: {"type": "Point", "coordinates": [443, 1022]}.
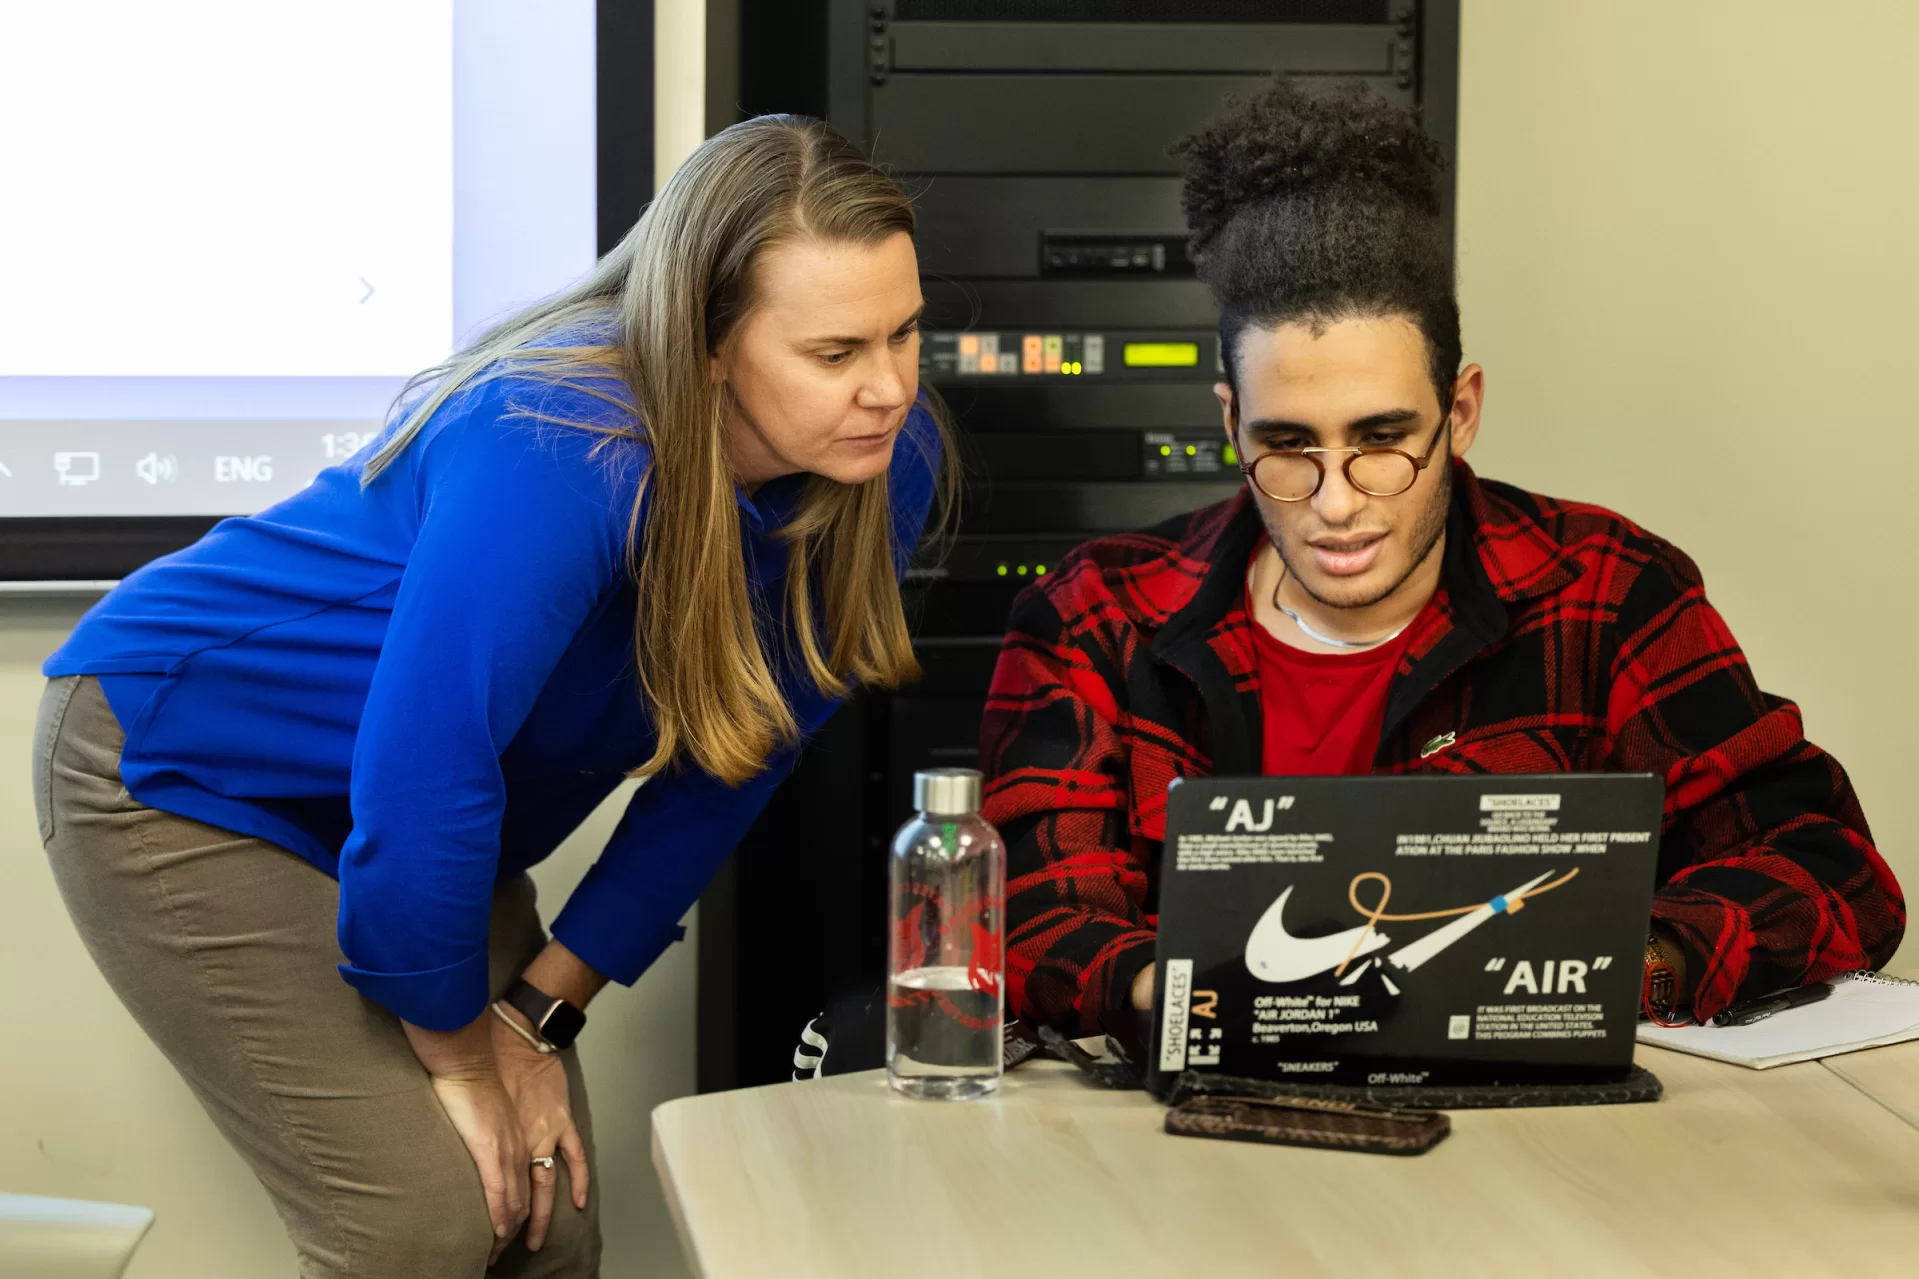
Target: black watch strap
{"type": "Point", "coordinates": [554, 1020]}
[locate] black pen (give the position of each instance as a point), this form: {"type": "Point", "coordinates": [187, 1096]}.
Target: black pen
{"type": "Point", "coordinates": [1759, 1009]}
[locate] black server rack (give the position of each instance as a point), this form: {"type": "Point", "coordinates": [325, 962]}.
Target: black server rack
{"type": "Point", "coordinates": [1066, 331]}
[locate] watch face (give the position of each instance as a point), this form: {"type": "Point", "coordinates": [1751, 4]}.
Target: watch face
{"type": "Point", "coordinates": [562, 1024]}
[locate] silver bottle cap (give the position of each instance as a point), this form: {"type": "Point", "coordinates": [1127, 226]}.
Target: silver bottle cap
{"type": "Point", "coordinates": [947, 792]}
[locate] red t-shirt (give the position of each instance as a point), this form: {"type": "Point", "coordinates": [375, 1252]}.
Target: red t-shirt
{"type": "Point", "coordinates": [1322, 712]}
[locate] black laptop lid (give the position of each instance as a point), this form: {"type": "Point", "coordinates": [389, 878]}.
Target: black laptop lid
{"type": "Point", "coordinates": [1532, 896]}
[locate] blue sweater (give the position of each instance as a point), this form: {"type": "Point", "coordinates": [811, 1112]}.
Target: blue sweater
{"type": "Point", "coordinates": [424, 685]}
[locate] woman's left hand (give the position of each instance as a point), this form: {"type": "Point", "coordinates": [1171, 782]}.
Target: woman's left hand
{"type": "Point", "coordinates": [536, 1082]}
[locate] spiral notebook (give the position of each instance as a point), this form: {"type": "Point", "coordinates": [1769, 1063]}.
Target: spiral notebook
{"type": "Point", "coordinates": [1865, 1010]}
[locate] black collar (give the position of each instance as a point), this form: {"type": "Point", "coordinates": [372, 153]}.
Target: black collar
{"type": "Point", "coordinates": [1475, 602]}
{"type": "Point", "coordinates": [1220, 589]}
{"type": "Point", "coordinates": [1184, 642]}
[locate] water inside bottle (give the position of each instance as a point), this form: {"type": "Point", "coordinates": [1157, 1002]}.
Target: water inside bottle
{"type": "Point", "coordinates": [945, 1033]}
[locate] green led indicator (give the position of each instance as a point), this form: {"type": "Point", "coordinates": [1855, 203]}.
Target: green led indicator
{"type": "Point", "coordinates": [1022, 570]}
{"type": "Point", "coordinates": [1039, 570]}
{"type": "Point", "coordinates": [1002, 570]}
{"type": "Point", "coordinates": [1165, 450]}
{"type": "Point", "coordinates": [1230, 455]}
{"type": "Point", "coordinates": [1192, 450]}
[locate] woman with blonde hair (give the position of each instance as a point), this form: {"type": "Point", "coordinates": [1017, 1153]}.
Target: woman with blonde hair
{"type": "Point", "coordinates": [654, 525]}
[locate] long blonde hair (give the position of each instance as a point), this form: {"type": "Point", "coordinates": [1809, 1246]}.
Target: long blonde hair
{"type": "Point", "coordinates": [672, 292]}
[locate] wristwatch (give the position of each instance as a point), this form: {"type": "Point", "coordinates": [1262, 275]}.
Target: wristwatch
{"type": "Point", "coordinates": [1658, 995]}
{"type": "Point", "coordinates": [554, 1020]}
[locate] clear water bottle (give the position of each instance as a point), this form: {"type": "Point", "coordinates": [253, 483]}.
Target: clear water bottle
{"type": "Point", "coordinates": [945, 989]}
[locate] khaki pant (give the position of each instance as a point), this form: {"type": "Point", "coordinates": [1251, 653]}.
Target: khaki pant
{"type": "Point", "coordinates": [223, 949]}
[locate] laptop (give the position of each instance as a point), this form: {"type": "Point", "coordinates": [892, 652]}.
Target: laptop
{"type": "Point", "coordinates": [1432, 930]}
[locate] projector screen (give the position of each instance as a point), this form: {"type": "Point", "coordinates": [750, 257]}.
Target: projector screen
{"type": "Point", "coordinates": [233, 229]}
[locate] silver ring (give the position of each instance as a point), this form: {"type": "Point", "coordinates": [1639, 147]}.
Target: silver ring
{"type": "Point", "coordinates": [543, 1161]}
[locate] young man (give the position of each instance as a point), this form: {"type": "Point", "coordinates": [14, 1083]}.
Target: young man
{"type": "Point", "coordinates": [1368, 604]}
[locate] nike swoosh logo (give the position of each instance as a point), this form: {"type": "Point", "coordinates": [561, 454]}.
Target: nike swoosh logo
{"type": "Point", "coordinates": [1273, 954]}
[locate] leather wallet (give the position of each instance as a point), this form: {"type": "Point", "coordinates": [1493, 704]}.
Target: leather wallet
{"type": "Point", "coordinates": [1310, 1121]}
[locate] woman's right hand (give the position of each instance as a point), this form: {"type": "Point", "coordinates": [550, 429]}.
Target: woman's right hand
{"type": "Point", "coordinates": [467, 1082]}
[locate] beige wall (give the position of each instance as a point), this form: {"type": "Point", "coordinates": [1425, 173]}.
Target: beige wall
{"type": "Point", "coordinates": [679, 85]}
{"type": "Point", "coordinates": [1688, 263]}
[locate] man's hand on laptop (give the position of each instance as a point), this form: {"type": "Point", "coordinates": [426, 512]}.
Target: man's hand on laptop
{"type": "Point", "coordinates": [1143, 989]}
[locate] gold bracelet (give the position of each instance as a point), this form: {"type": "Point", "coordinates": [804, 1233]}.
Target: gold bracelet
{"type": "Point", "coordinates": [539, 1045]}
{"type": "Point", "coordinates": [1658, 994]}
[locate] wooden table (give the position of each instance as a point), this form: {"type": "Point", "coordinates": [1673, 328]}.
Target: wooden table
{"type": "Point", "coordinates": [1801, 1170]}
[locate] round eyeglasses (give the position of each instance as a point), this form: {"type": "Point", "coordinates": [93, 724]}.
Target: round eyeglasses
{"type": "Point", "coordinates": [1293, 475]}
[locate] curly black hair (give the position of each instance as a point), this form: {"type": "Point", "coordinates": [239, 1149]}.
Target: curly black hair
{"type": "Point", "coordinates": [1321, 206]}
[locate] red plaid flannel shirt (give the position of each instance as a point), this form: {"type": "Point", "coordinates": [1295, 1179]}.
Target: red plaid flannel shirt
{"type": "Point", "coordinates": [1563, 637]}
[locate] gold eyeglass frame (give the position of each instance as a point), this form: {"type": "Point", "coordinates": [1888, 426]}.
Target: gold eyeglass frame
{"type": "Point", "coordinates": [1353, 453]}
